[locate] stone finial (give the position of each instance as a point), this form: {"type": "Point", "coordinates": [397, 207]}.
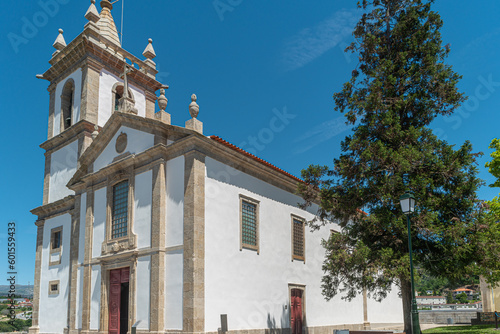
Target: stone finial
{"type": "Point", "coordinates": [60, 43]}
{"type": "Point", "coordinates": [96, 132]}
{"type": "Point", "coordinates": [162, 100]}
{"type": "Point", "coordinates": [92, 14]}
{"type": "Point", "coordinates": [106, 4]}
{"type": "Point", "coordinates": [193, 123]}
{"type": "Point", "coordinates": [149, 52]}
{"type": "Point", "coordinates": [162, 115]}
{"type": "Point", "coordinates": [194, 108]}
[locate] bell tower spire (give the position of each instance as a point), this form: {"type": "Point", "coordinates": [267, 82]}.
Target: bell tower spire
{"type": "Point", "coordinates": [106, 23]}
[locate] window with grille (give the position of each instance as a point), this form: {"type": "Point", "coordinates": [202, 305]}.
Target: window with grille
{"type": "Point", "coordinates": [120, 210]}
{"type": "Point", "coordinates": [298, 239]}
{"type": "Point", "coordinates": [53, 287]}
{"type": "Point", "coordinates": [249, 224]}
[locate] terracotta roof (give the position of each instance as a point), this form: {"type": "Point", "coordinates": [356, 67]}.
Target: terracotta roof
{"type": "Point", "coordinates": [237, 149]}
{"type": "Point", "coordinates": [462, 289]}
{"type": "Point", "coordinates": [428, 297]}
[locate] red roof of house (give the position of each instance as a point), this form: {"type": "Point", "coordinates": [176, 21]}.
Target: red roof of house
{"type": "Point", "coordinates": [462, 289]}
{"type": "Point", "coordinates": [237, 149]}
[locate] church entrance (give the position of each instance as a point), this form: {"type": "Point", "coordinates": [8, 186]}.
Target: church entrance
{"type": "Point", "coordinates": [118, 300]}
{"type": "Point", "coordinates": [296, 311]}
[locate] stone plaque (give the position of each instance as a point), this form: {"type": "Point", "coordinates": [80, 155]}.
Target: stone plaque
{"type": "Point", "coordinates": [121, 143]}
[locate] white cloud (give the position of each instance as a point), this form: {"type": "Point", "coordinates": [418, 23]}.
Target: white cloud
{"type": "Point", "coordinates": [321, 133]}
{"type": "Point", "coordinates": [310, 43]}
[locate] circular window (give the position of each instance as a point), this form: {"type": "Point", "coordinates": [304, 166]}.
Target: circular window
{"type": "Point", "coordinates": [121, 143]}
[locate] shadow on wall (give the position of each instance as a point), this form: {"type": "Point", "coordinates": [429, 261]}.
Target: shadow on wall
{"type": "Point", "coordinates": [283, 327]}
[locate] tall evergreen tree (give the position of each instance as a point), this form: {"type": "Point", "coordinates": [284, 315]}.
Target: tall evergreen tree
{"type": "Point", "coordinates": [400, 85]}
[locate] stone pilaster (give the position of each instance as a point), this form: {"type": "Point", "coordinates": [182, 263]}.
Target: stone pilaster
{"type": "Point", "coordinates": [46, 179]}
{"type": "Point", "coordinates": [87, 270]}
{"type": "Point", "coordinates": [52, 106]}
{"type": "Point", "coordinates": [366, 324]}
{"type": "Point", "coordinates": [194, 242]}
{"type": "Point", "coordinates": [74, 248]}
{"type": "Point", "coordinates": [35, 329]}
{"type": "Point", "coordinates": [158, 222]}
{"type": "Point", "coordinates": [90, 90]}
{"type": "Point", "coordinates": [150, 104]}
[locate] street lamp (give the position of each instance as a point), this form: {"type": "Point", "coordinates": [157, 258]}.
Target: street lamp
{"type": "Point", "coordinates": [407, 202]}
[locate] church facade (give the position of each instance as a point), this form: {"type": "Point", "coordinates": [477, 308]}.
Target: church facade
{"type": "Point", "coordinates": [160, 228]}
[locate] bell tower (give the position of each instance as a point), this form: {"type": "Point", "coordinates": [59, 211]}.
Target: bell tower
{"type": "Point", "coordinates": [91, 78]}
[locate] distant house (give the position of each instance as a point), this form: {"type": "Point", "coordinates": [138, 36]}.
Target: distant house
{"type": "Point", "coordinates": [431, 300]}
{"type": "Point", "coordinates": [468, 292]}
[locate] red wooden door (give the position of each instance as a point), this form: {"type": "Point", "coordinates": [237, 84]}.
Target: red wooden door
{"type": "Point", "coordinates": [116, 278]}
{"type": "Point", "coordinates": [296, 311]}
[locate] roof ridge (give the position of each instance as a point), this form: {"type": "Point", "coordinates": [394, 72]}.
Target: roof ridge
{"type": "Point", "coordinates": [250, 155]}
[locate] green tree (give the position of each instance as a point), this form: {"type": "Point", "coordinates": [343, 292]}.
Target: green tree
{"type": "Point", "coordinates": [5, 327]}
{"type": "Point", "coordinates": [400, 85]}
{"type": "Point", "coordinates": [462, 298]}
{"type": "Point", "coordinates": [449, 298]}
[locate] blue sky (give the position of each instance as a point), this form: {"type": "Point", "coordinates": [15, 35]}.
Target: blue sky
{"type": "Point", "coordinates": [264, 73]}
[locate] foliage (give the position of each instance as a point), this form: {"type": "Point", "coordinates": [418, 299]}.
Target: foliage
{"type": "Point", "coordinates": [5, 327]}
{"type": "Point", "coordinates": [449, 298]}
{"type": "Point", "coordinates": [399, 87]}
{"type": "Point", "coordinates": [477, 329]}
{"type": "Point", "coordinates": [462, 298]}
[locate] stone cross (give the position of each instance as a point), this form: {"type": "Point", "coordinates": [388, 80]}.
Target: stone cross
{"type": "Point", "coordinates": [126, 71]}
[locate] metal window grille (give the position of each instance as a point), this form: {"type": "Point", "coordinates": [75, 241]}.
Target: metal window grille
{"type": "Point", "coordinates": [298, 238]}
{"type": "Point", "coordinates": [120, 210]}
{"type": "Point", "coordinates": [249, 223]}
{"type": "Point", "coordinates": [54, 287]}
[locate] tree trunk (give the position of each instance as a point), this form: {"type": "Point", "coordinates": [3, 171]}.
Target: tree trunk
{"type": "Point", "coordinates": [406, 297]}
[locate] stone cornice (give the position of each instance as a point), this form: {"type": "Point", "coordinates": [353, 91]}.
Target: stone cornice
{"type": "Point", "coordinates": [55, 208]}
{"type": "Point", "coordinates": [193, 142]}
{"type": "Point", "coordinates": [90, 44]}
{"type": "Point", "coordinates": [68, 135]}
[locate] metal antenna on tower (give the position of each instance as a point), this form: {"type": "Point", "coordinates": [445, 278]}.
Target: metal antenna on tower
{"type": "Point", "coordinates": [121, 24]}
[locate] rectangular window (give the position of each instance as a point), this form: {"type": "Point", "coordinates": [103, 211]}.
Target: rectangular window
{"type": "Point", "coordinates": [53, 288]}
{"type": "Point", "coordinates": [298, 241]}
{"type": "Point", "coordinates": [56, 239]}
{"type": "Point", "coordinates": [55, 246]}
{"type": "Point", "coordinates": [249, 223]}
{"type": "Point", "coordinates": [120, 210]}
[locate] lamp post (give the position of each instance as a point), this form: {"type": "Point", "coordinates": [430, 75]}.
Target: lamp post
{"type": "Point", "coordinates": [407, 202]}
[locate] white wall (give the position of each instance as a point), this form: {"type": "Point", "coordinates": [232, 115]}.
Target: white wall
{"type": "Point", "coordinates": [389, 310]}
{"type": "Point", "coordinates": [143, 271]}
{"type": "Point", "coordinates": [143, 195]}
{"type": "Point", "coordinates": [63, 163]}
{"type": "Point", "coordinates": [106, 83]}
{"type": "Point", "coordinates": [95, 297]}
{"type": "Point", "coordinates": [55, 304]}
{"type": "Point", "coordinates": [77, 98]}
{"type": "Point", "coordinates": [137, 142]}
{"type": "Point", "coordinates": [99, 228]}
{"type": "Point", "coordinates": [251, 288]}
{"type": "Point", "coordinates": [175, 202]}
{"type": "Point", "coordinates": [173, 289]}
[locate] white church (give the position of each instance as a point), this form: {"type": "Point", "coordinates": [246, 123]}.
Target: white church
{"type": "Point", "coordinates": [158, 228]}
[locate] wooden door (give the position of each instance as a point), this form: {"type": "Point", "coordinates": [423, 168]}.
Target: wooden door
{"type": "Point", "coordinates": [296, 311]}
{"type": "Point", "coordinates": [117, 320]}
